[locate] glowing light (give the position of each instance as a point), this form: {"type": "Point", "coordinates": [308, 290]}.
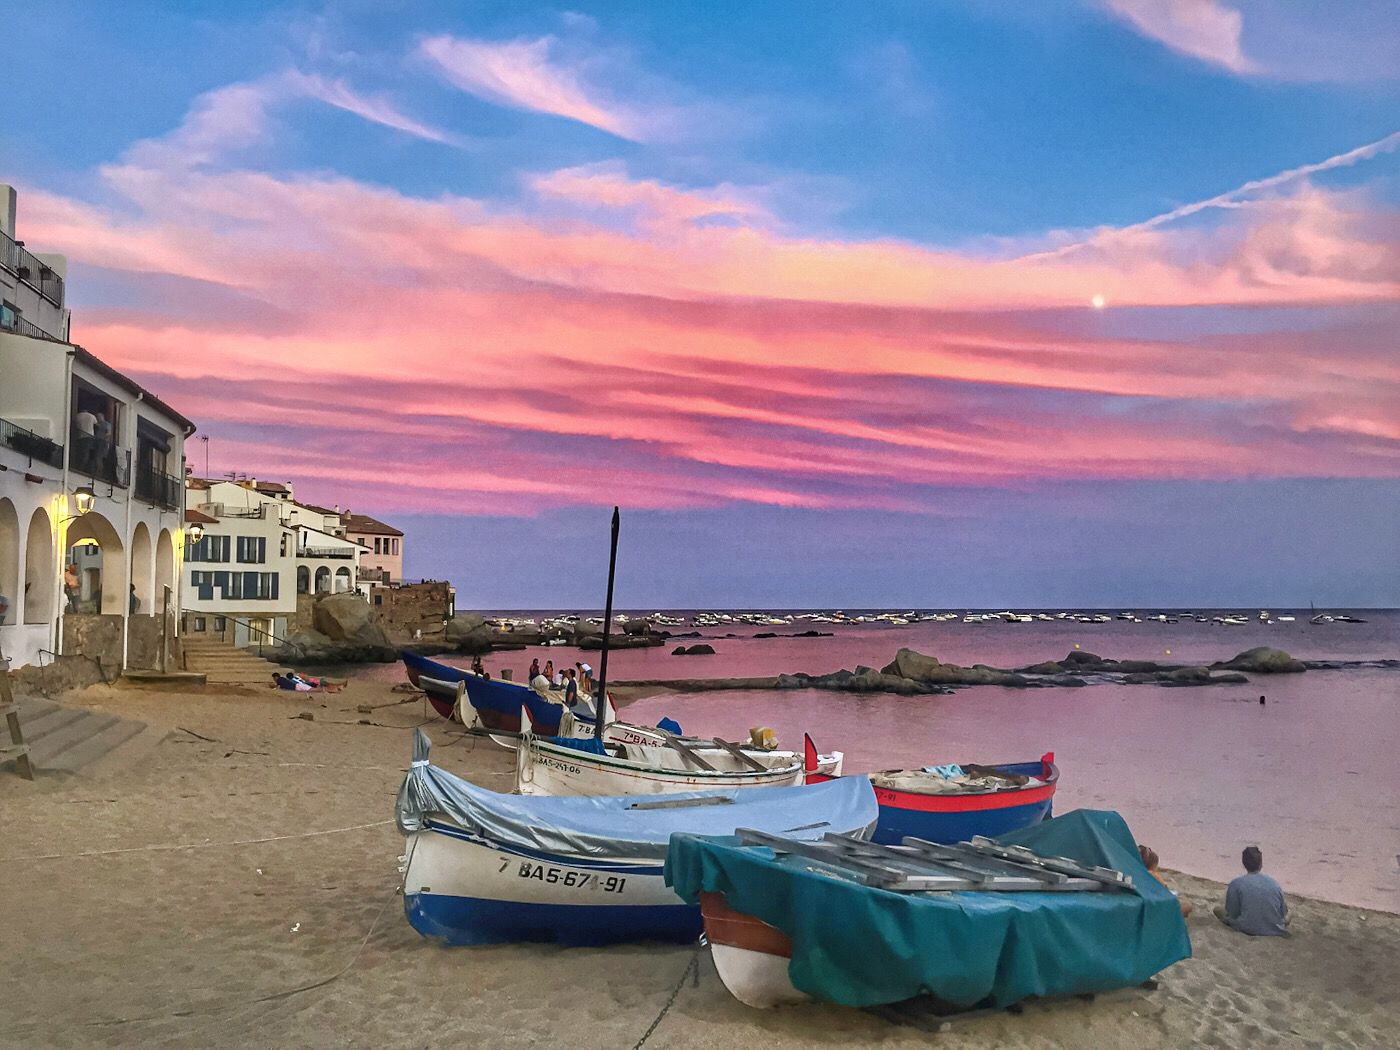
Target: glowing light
{"type": "Point", "coordinates": [1098, 302]}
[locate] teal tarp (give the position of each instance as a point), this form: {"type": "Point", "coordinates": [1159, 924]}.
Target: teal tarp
{"type": "Point", "coordinates": [861, 946]}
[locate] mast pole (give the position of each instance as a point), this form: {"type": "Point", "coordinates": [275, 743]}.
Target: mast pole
{"type": "Point", "coordinates": [600, 702]}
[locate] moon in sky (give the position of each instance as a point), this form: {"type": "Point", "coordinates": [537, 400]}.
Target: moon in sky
{"type": "Point", "coordinates": [1098, 302]}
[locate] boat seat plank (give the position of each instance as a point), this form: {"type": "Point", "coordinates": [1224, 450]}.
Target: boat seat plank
{"type": "Point", "coordinates": [741, 755]}
{"type": "Point", "coordinates": [688, 753]}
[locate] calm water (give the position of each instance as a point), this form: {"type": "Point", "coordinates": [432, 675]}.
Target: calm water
{"type": "Point", "coordinates": [1312, 777]}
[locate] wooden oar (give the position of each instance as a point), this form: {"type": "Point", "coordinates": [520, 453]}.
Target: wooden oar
{"type": "Point", "coordinates": [741, 755]}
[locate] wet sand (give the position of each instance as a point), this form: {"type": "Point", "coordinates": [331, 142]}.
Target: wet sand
{"type": "Point", "coordinates": [157, 947]}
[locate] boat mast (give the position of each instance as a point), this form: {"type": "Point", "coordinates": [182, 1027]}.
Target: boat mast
{"type": "Point", "coordinates": [600, 702]}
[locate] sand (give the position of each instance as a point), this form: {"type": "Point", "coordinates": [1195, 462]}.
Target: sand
{"type": "Point", "coordinates": [158, 947]}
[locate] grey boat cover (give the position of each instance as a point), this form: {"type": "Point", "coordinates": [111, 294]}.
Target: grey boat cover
{"type": "Point", "coordinates": [634, 828]}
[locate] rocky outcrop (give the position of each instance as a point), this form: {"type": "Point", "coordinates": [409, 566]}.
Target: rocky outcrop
{"type": "Point", "coordinates": [635, 627]}
{"type": "Point", "coordinates": [621, 641]}
{"type": "Point", "coordinates": [469, 634]}
{"type": "Point", "coordinates": [919, 667]}
{"type": "Point", "coordinates": [861, 680]}
{"type": "Point", "coordinates": [346, 630]}
{"type": "Point", "coordinates": [1263, 660]}
{"type": "Point", "coordinates": [699, 649]}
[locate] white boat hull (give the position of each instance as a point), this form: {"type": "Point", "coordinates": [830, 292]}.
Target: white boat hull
{"type": "Point", "coordinates": [755, 978]}
{"type": "Point", "coordinates": [550, 769]}
{"type": "Point", "coordinates": [467, 890]}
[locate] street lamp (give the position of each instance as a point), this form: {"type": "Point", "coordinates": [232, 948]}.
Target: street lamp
{"type": "Point", "coordinates": [85, 498]}
{"type": "Point", "coordinates": [196, 532]}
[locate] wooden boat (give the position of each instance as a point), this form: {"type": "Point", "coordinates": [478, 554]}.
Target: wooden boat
{"type": "Point", "coordinates": [971, 925]}
{"type": "Point", "coordinates": [481, 867]}
{"type": "Point", "coordinates": [996, 799]}
{"type": "Point", "coordinates": [556, 766]}
{"type": "Point", "coordinates": [497, 703]}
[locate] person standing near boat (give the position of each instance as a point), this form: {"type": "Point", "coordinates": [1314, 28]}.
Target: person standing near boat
{"type": "Point", "coordinates": [570, 688]}
{"type": "Point", "coordinates": [1254, 902]}
{"type": "Point", "coordinates": [586, 675]}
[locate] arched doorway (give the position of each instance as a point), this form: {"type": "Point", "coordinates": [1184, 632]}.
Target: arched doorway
{"type": "Point", "coordinates": [303, 579]}
{"type": "Point", "coordinates": [9, 560]}
{"type": "Point", "coordinates": [342, 580]}
{"type": "Point", "coordinates": [38, 569]}
{"type": "Point", "coordinates": [142, 565]}
{"type": "Point", "coordinates": [93, 562]}
{"type": "Point", "coordinates": [165, 570]}
{"type": "Point", "coordinates": [323, 580]}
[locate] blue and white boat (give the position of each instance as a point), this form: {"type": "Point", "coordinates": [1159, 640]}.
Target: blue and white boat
{"type": "Point", "coordinates": [481, 867]}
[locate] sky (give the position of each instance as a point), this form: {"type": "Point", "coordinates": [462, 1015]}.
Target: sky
{"type": "Point", "coordinates": [938, 303]}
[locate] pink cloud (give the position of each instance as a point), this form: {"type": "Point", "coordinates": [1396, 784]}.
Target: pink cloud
{"type": "Point", "coordinates": [522, 74]}
{"type": "Point", "coordinates": [1205, 29]}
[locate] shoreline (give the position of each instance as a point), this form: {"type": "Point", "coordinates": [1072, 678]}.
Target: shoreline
{"type": "Point", "coordinates": [199, 945]}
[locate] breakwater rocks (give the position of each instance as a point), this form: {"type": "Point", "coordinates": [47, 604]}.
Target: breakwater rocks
{"type": "Point", "coordinates": [912, 673]}
{"type": "Point", "coordinates": [699, 649]}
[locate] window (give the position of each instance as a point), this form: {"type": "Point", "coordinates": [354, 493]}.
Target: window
{"type": "Point", "coordinates": [252, 549]}
{"type": "Point", "coordinates": [210, 548]}
{"type": "Point", "coordinates": [283, 547]}
{"type": "Point", "coordinates": [395, 542]}
{"type": "Point", "coordinates": [199, 624]}
{"type": "Point", "coordinates": [379, 599]}
{"type": "Point", "coordinates": [376, 545]}
{"type": "Point", "coordinates": [219, 623]}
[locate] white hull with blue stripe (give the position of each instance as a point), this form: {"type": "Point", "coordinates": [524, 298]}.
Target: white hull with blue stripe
{"type": "Point", "coordinates": [467, 890]}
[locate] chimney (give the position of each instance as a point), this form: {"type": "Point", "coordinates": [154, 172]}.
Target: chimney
{"type": "Point", "coordinates": [8, 201]}
{"type": "Point", "coordinates": [337, 508]}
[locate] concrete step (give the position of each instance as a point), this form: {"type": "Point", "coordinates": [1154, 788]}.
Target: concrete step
{"type": "Point", "coordinates": [94, 746]}
{"type": "Point", "coordinates": [44, 751]}
{"type": "Point", "coordinates": [48, 722]}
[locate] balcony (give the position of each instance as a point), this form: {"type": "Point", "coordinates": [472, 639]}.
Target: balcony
{"type": "Point", "coordinates": [159, 488]}
{"type": "Point", "coordinates": [12, 322]}
{"type": "Point", "coordinates": [99, 460]}
{"type": "Point", "coordinates": [325, 552]}
{"type": "Point", "coordinates": [28, 443]}
{"type": "Point", "coordinates": [25, 265]}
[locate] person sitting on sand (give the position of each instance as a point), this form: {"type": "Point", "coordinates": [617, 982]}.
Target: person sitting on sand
{"type": "Point", "coordinates": [555, 679]}
{"type": "Point", "coordinates": [1150, 862]}
{"type": "Point", "coordinates": [1254, 902]}
{"type": "Point", "coordinates": [534, 670]}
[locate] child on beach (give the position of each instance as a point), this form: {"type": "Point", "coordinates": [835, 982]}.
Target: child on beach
{"type": "Point", "coordinates": [1150, 862]}
{"type": "Point", "coordinates": [1254, 902]}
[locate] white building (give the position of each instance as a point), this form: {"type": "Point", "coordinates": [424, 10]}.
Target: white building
{"type": "Point", "coordinates": [259, 550]}
{"type": "Point", "coordinates": [91, 502]}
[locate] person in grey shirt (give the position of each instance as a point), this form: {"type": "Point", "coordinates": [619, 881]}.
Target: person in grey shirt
{"type": "Point", "coordinates": [1254, 902]}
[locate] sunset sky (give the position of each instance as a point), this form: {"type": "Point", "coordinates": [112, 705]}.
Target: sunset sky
{"type": "Point", "coordinates": [907, 303]}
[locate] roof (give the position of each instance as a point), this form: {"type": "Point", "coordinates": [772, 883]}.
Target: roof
{"type": "Point", "coordinates": [127, 383]}
{"type": "Point", "coordinates": [317, 510]}
{"type": "Point", "coordinates": [364, 523]}
{"type": "Point", "coordinates": [198, 517]}
{"type": "Point", "coordinates": [271, 486]}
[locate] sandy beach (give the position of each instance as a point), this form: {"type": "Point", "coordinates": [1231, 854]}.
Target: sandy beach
{"type": "Point", "coordinates": [239, 889]}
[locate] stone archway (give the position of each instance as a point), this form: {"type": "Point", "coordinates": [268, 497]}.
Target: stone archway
{"type": "Point", "coordinates": [303, 580]}
{"type": "Point", "coordinates": [142, 566]}
{"type": "Point", "coordinates": [342, 580]}
{"type": "Point", "coordinates": [165, 571]}
{"type": "Point", "coordinates": [9, 559]}
{"type": "Point", "coordinates": [38, 569]}
{"type": "Point", "coordinates": [96, 554]}
{"type": "Point", "coordinates": [323, 580]}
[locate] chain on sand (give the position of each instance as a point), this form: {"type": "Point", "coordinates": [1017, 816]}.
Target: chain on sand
{"type": "Point", "coordinates": [691, 968]}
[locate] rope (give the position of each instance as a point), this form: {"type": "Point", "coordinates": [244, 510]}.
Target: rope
{"type": "Point", "coordinates": [692, 967]}
{"type": "Point", "coordinates": [194, 845]}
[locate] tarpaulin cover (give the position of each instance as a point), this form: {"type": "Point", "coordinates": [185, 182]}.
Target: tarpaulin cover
{"type": "Point", "coordinates": [861, 946]}
{"type": "Point", "coordinates": [613, 828]}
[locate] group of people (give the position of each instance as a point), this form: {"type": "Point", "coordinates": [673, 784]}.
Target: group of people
{"type": "Point", "coordinates": [1254, 902]}
{"type": "Point", "coordinates": [297, 682]}
{"type": "Point", "coordinates": [94, 432]}
{"type": "Point", "coordinates": [570, 679]}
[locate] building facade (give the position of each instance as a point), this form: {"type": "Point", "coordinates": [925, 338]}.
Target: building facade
{"type": "Point", "coordinates": [91, 502]}
{"type": "Point", "coordinates": [260, 550]}
{"type": "Point", "coordinates": [382, 562]}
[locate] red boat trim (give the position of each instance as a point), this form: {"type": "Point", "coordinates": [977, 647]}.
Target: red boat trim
{"type": "Point", "coordinates": [724, 925]}
{"type": "Point", "coordinates": [962, 803]}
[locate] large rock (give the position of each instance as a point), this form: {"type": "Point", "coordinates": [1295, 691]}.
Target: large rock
{"type": "Point", "coordinates": [699, 649]}
{"type": "Point", "coordinates": [469, 634]}
{"type": "Point", "coordinates": [1263, 660]}
{"type": "Point", "coordinates": [348, 618]}
{"type": "Point", "coordinates": [910, 664]}
{"type": "Point", "coordinates": [637, 627]}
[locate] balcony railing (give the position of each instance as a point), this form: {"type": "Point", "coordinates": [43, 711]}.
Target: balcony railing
{"type": "Point", "coordinates": [98, 459]}
{"type": "Point", "coordinates": [155, 486]}
{"type": "Point", "coordinates": [28, 443]}
{"type": "Point", "coordinates": [27, 266]}
{"type": "Point", "coordinates": [11, 322]}
{"type": "Point", "coordinates": [324, 552]}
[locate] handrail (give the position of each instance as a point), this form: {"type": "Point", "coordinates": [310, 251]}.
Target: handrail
{"type": "Point", "coordinates": [13, 322]}
{"type": "Point", "coordinates": [30, 269]}
{"type": "Point", "coordinates": [260, 632]}
{"type": "Point", "coordinates": [27, 443]}
{"type": "Point", "coordinates": [156, 486]}
{"type": "Point", "coordinates": [324, 552]}
{"type": "Point", "coordinates": [99, 460]}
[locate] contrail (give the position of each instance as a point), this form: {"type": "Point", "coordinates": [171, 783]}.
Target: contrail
{"type": "Point", "coordinates": [1229, 198]}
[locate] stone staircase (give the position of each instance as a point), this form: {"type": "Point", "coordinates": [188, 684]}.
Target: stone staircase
{"type": "Point", "coordinates": [222, 664]}
{"type": "Point", "coordinates": [76, 740]}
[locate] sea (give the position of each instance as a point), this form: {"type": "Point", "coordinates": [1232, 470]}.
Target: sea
{"type": "Point", "coordinates": [1312, 776]}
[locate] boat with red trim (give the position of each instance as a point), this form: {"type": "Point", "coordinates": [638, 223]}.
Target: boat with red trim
{"type": "Point", "coordinates": [954, 803]}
